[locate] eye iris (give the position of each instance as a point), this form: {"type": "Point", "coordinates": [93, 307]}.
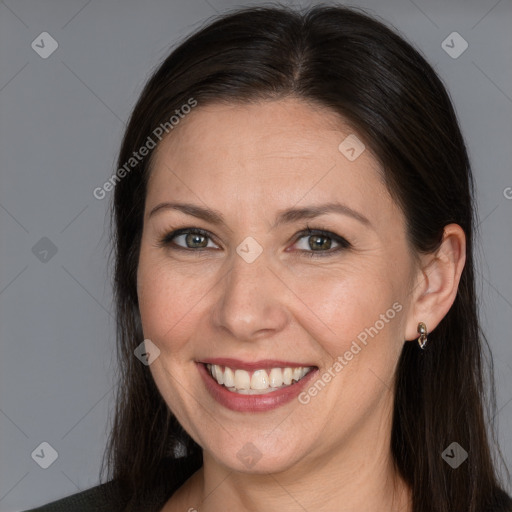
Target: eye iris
{"type": "Point", "coordinates": [318, 245]}
{"type": "Point", "coordinates": [195, 237]}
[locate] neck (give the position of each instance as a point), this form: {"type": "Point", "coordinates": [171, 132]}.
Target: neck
{"type": "Point", "coordinates": [366, 489]}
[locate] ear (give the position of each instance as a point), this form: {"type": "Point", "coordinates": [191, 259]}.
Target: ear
{"type": "Point", "coordinates": [437, 282]}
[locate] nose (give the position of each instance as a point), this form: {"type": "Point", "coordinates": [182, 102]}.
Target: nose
{"type": "Point", "coordinates": [251, 301]}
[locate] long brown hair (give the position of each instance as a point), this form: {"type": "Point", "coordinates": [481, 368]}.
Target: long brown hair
{"type": "Point", "coordinates": [377, 82]}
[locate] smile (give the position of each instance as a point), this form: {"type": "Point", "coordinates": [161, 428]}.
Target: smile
{"type": "Point", "coordinates": [258, 386]}
{"type": "Point", "coordinates": [257, 382]}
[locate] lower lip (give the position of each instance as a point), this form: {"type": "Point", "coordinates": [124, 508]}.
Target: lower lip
{"type": "Point", "coordinates": [253, 403]}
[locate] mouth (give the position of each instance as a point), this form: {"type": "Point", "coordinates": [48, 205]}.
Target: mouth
{"type": "Point", "coordinates": [254, 387]}
{"type": "Point", "coordinates": [257, 382]}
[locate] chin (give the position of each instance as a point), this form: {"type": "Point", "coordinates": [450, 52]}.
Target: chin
{"type": "Point", "coordinates": [253, 458]}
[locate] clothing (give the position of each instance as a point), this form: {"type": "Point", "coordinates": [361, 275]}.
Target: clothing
{"type": "Point", "coordinates": [94, 498]}
{"type": "Point", "coordinates": [102, 499]}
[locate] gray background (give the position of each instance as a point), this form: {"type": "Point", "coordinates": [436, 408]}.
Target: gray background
{"type": "Point", "coordinates": [62, 120]}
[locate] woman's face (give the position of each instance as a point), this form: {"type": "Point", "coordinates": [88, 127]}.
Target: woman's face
{"type": "Point", "coordinates": [257, 294]}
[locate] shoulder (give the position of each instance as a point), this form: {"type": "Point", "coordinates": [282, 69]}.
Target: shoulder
{"type": "Point", "coordinates": [100, 498]}
{"type": "Point", "coordinates": [502, 502]}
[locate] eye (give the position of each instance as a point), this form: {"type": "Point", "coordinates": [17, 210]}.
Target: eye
{"type": "Point", "coordinates": [193, 238]}
{"type": "Point", "coordinates": [320, 242]}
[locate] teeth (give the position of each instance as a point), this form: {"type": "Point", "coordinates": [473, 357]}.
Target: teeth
{"type": "Point", "coordinates": [229, 378]}
{"type": "Point", "coordinates": [261, 381]}
{"type": "Point", "coordinates": [242, 379]}
{"type": "Point", "coordinates": [276, 377]}
{"type": "Point", "coordinates": [218, 374]}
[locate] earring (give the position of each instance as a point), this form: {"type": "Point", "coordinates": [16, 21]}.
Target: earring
{"type": "Point", "coordinates": [422, 330]}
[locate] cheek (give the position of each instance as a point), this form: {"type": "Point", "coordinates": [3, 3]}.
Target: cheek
{"type": "Point", "coordinates": [167, 303]}
{"type": "Point", "coordinates": [342, 305]}
{"type": "Point", "coordinates": [357, 321]}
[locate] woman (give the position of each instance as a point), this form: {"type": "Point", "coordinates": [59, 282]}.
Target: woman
{"type": "Point", "coordinates": [294, 229]}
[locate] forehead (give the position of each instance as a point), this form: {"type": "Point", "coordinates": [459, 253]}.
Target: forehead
{"type": "Point", "coordinates": [281, 152]}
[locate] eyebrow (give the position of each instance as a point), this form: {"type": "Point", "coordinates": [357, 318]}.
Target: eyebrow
{"type": "Point", "coordinates": [284, 217]}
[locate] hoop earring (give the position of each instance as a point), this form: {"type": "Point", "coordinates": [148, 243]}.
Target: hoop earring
{"type": "Point", "coordinates": [422, 330]}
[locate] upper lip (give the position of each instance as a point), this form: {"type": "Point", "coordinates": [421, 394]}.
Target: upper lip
{"type": "Point", "coordinates": [231, 362]}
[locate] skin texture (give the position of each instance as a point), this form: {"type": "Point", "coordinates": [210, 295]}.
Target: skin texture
{"type": "Point", "coordinates": [248, 163]}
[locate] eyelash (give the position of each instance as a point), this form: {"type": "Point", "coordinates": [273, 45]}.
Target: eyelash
{"type": "Point", "coordinates": [166, 240]}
